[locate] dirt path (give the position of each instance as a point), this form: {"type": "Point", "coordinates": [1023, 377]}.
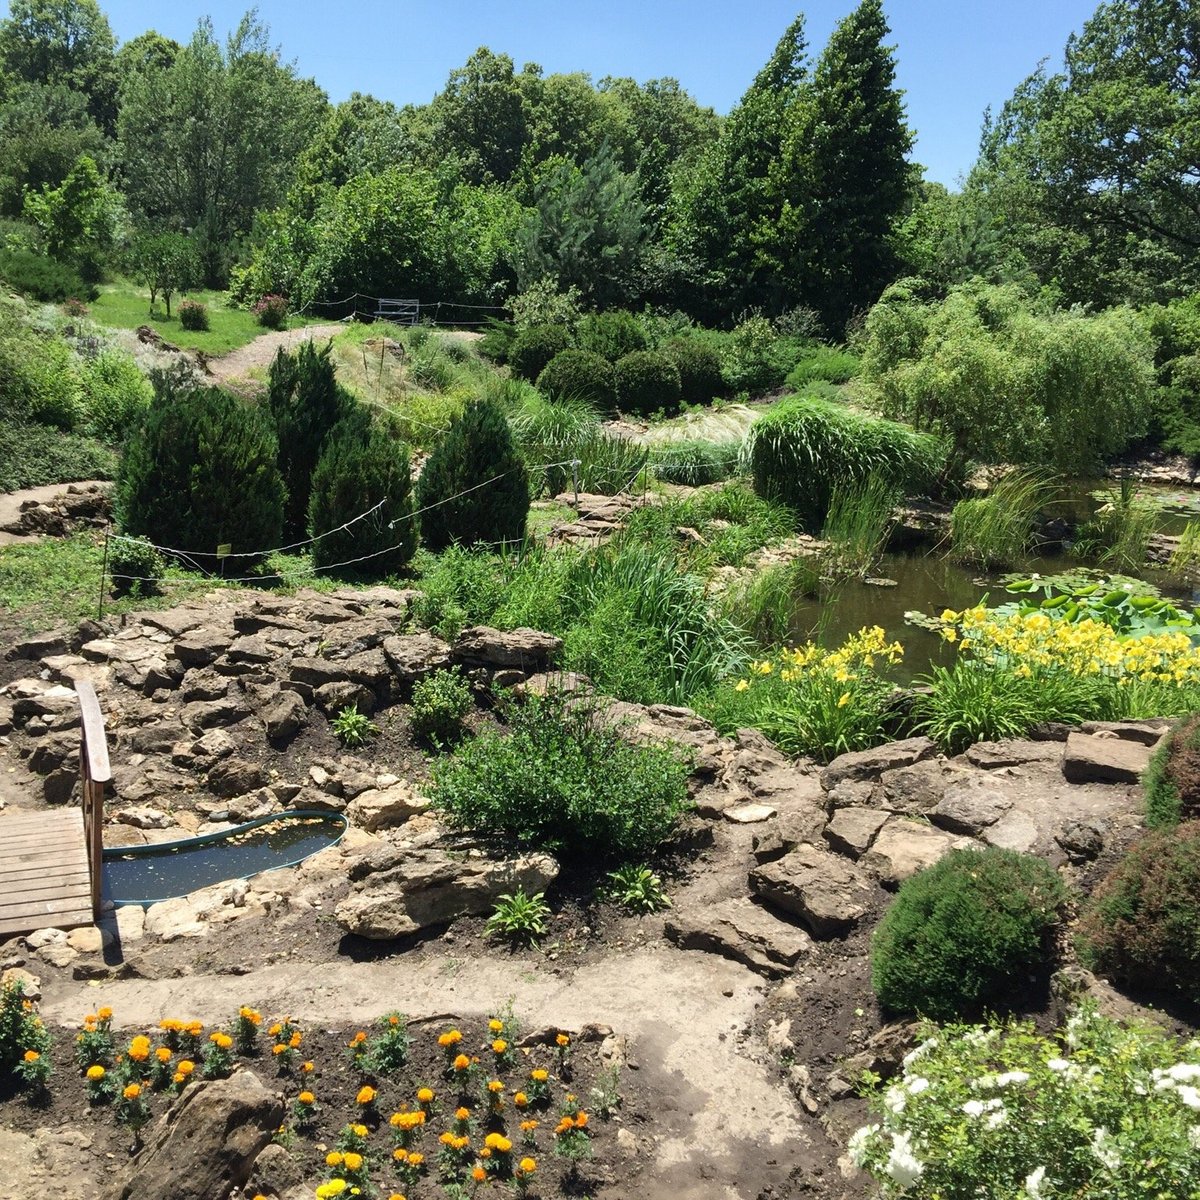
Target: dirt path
{"type": "Point", "coordinates": [10, 506]}
{"type": "Point", "coordinates": [260, 352]}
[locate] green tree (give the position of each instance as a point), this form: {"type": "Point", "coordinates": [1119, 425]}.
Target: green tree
{"type": "Point", "coordinates": [213, 137]}
{"type": "Point", "coordinates": [79, 219]}
{"type": "Point", "coordinates": [305, 403]}
{"type": "Point", "coordinates": [67, 43]}
{"type": "Point", "coordinates": [474, 487]}
{"type": "Point", "coordinates": [1094, 166]}
{"type": "Point", "coordinates": [842, 173]}
{"type": "Point", "coordinates": [165, 263]}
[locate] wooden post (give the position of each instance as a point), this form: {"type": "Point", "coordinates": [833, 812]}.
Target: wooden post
{"type": "Point", "coordinates": [95, 774]}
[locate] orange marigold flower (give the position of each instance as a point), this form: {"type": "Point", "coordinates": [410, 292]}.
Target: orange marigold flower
{"type": "Point", "coordinates": [495, 1086]}
{"type": "Point", "coordinates": [499, 1046]}
{"type": "Point", "coordinates": [447, 1138]}
{"type": "Point", "coordinates": [333, 1158]}
{"type": "Point", "coordinates": [581, 1120]}
{"type": "Point", "coordinates": [478, 1174]}
{"type": "Point", "coordinates": [520, 1099]}
{"type": "Point", "coordinates": [366, 1095]}
{"type": "Point", "coordinates": [450, 1038]}
{"type": "Point", "coordinates": [358, 1038]}
{"type": "Point", "coordinates": [539, 1074]}
{"type": "Point", "coordinates": [186, 1067]}
{"type": "Point", "coordinates": [563, 1040]}
{"type": "Point", "coordinates": [462, 1062]}
{"type": "Point", "coordinates": [485, 1152]}
{"type": "Point", "coordinates": [96, 1073]}
{"type": "Point", "coordinates": [139, 1048]}
{"type": "Point", "coordinates": [104, 1014]}
{"type": "Point", "coordinates": [178, 1078]}
{"type": "Point", "coordinates": [415, 1159]}
{"type": "Point", "coordinates": [424, 1095]}
{"type": "Point", "coordinates": [496, 1026]}
{"type": "Point", "coordinates": [195, 1028]}
{"type": "Point", "coordinates": [162, 1054]}
{"type": "Point", "coordinates": [249, 1014]}
{"type": "Point", "coordinates": [359, 1130]}
{"type": "Point", "coordinates": [307, 1066]}
{"type": "Point", "coordinates": [275, 1029]}
{"type": "Point", "coordinates": [462, 1114]}
{"type": "Point", "coordinates": [31, 1056]}
{"type": "Point", "coordinates": [278, 1048]}
{"type": "Point", "coordinates": [132, 1091]}
{"type": "Point", "coordinates": [400, 1154]}
{"type": "Point", "coordinates": [528, 1126]}
{"type": "Point", "coordinates": [352, 1160]}
{"type": "Point", "coordinates": [306, 1098]}
{"type": "Point", "coordinates": [223, 1040]}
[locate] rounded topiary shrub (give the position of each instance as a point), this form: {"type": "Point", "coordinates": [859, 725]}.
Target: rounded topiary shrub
{"type": "Point", "coordinates": [579, 375]}
{"type": "Point", "coordinates": [699, 368]}
{"type": "Point", "coordinates": [1172, 780]}
{"type": "Point", "coordinates": [612, 335]}
{"type": "Point", "coordinates": [1142, 924]}
{"type": "Point", "coordinates": [364, 466]}
{"type": "Point", "coordinates": [533, 348]}
{"type": "Point", "coordinates": [646, 382]}
{"type": "Point", "coordinates": [199, 472]}
{"type": "Point", "coordinates": [963, 930]}
{"type": "Point", "coordinates": [193, 315]}
{"type": "Point", "coordinates": [474, 486]}
{"type": "Point", "coordinates": [135, 567]}
{"type": "Point", "coordinates": [271, 311]}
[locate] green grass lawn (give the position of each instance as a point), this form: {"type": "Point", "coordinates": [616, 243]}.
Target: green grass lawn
{"type": "Point", "coordinates": [123, 306]}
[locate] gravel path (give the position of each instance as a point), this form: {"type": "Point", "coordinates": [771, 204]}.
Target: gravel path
{"type": "Point", "coordinates": [259, 353]}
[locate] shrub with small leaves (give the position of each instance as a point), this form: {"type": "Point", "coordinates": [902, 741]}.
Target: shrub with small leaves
{"type": "Point", "coordinates": [1172, 780]}
{"type": "Point", "coordinates": [647, 381]}
{"type": "Point", "coordinates": [699, 367]}
{"type": "Point", "coordinates": [353, 728]}
{"type": "Point", "coordinates": [439, 705]}
{"type": "Point", "coordinates": [194, 316]}
{"type": "Point", "coordinates": [533, 348]}
{"type": "Point", "coordinates": [271, 311]}
{"type": "Point", "coordinates": [964, 930]}
{"type": "Point", "coordinates": [579, 375]}
{"type": "Point", "coordinates": [135, 567]}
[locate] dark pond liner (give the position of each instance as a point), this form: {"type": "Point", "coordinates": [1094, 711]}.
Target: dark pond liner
{"type": "Point", "coordinates": [161, 871]}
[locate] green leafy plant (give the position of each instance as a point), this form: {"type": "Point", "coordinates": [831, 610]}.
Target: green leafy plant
{"type": "Point", "coordinates": [963, 931]}
{"type": "Point", "coordinates": [646, 382]}
{"type": "Point", "coordinates": [193, 315]}
{"type": "Point", "coordinates": [638, 889]}
{"type": "Point", "coordinates": [1142, 924]}
{"type": "Point", "coordinates": [135, 567]}
{"type": "Point", "coordinates": [353, 728]}
{"type": "Point", "coordinates": [565, 780]}
{"type": "Point", "coordinates": [519, 918]}
{"type": "Point", "coordinates": [439, 705]}
{"type": "Point", "coordinates": [388, 1050]}
{"type": "Point", "coordinates": [1095, 1108]}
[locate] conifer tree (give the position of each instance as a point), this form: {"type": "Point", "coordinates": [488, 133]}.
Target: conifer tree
{"type": "Point", "coordinates": [476, 450]}
{"type": "Point", "coordinates": [842, 178]}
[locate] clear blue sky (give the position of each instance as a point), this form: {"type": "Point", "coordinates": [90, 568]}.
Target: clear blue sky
{"type": "Point", "coordinates": [955, 57]}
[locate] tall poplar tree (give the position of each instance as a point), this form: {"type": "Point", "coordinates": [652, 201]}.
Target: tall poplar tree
{"type": "Point", "coordinates": [843, 177]}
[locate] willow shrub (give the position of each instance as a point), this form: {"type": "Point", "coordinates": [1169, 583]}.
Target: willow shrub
{"type": "Point", "coordinates": [564, 779]}
{"type": "Point", "coordinates": [803, 448]}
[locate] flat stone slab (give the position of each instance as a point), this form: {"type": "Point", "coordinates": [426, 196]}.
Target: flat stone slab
{"type": "Point", "coordinates": [853, 829]}
{"type": "Point", "coordinates": [741, 930]}
{"type": "Point", "coordinates": [870, 764]}
{"type": "Point", "coordinates": [820, 888]}
{"type": "Point", "coordinates": [905, 847]}
{"type": "Point", "coordinates": [1094, 758]}
{"type": "Point", "coordinates": [749, 814]}
{"type": "Point", "coordinates": [970, 807]}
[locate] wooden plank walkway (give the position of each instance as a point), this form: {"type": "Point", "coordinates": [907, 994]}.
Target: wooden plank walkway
{"type": "Point", "coordinates": [44, 877]}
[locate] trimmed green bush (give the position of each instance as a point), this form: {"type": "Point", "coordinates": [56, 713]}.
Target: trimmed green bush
{"type": "Point", "coordinates": [305, 402]}
{"type": "Point", "coordinates": [439, 706]}
{"type": "Point", "coordinates": [827, 364]}
{"type": "Point", "coordinates": [201, 471]}
{"type": "Point", "coordinates": [193, 315]}
{"type": "Point", "coordinates": [579, 375]}
{"type": "Point", "coordinates": [612, 335]}
{"type": "Point", "coordinates": [564, 779]}
{"type": "Point", "coordinates": [647, 381]}
{"type": "Point", "coordinates": [363, 463]}
{"type": "Point", "coordinates": [1142, 924]}
{"type": "Point", "coordinates": [801, 449]}
{"type": "Point", "coordinates": [1172, 780]}
{"type": "Point", "coordinates": [40, 276]}
{"type": "Point", "coordinates": [474, 486]}
{"type": "Point", "coordinates": [699, 367]}
{"type": "Point", "coordinates": [533, 348]}
{"type": "Point", "coordinates": [964, 930]}
{"type": "Point", "coordinates": [134, 567]}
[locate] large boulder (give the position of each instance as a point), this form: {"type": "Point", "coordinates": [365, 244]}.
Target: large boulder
{"type": "Point", "coordinates": [870, 764]}
{"type": "Point", "coordinates": [1097, 758]}
{"type": "Point", "coordinates": [493, 649]}
{"type": "Point", "coordinates": [423, 888]}
{"type": "Point", "coordinates": [383, 808]}
{"type": "Point", "coordinates": [204, 1146]}
{"type": "Point", "coordinates": [824, 891]}
{"type": "Point", "coordinates": [741, 930]}
{"type": "Point", "coordinates": [415, 656]}
{"type": "Point", "coordinates": [904, 847]}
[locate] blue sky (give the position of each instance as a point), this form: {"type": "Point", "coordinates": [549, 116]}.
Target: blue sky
{"type": "Point", "coordinates": [955, 57]}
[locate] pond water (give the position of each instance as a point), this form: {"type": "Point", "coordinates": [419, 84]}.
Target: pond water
{"type": "Point", "coordinates": [146, 874]}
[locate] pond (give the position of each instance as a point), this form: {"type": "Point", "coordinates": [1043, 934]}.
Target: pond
{"type": "Point", "coordinates": [147, 874]}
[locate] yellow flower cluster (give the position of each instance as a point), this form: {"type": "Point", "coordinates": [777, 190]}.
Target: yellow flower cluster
{"type": "Point", "coordinates": [1036, 640]}
{"type": "Point", "coordinates": [856, 654]}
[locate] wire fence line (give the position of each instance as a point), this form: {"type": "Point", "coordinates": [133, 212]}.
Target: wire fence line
{"type": "Point", "coordinates": [374, 310]}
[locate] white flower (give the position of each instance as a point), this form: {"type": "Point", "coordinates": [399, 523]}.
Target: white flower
{"type": "Point", "coordinates": [859, 1142]}
{"type": "Point", "coordinates": [894, 1099]}
{"type": "Point", "coordinates": [1182, 1072]}
{"type": "Point", "coordinates": [1033, 1183]}
{"type": "Point", "coordinates": [1189, 1095]}
{"type": "Point", "coordinates": [1194, 1137]}
{"type": "Point", "coordinates": [973, 1108]}
{"type": "Point", "coordinates": [1011, 1077]}
{"type": "Point", "coordinates": [996, 1119]}
{"type": "Point", "coordinates": [924, 1048]}
{"type": "Point", "coordinates": [902, 1165]}
{"type": "Point", "coordinates": [1058, 1064]}
{"type": "Point", "coordinates": [1104, 1150]}
{"type": "Point", "coordinates": [917, 1085]}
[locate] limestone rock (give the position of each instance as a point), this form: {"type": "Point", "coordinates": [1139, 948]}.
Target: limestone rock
{"type": "Point", "coordinates": [235, 776]}
{"type": "Point", "coordinates": [527, 649]}
{"type": "Point", "coordinates": [821, 889]}
{"type": "Point", "coordinates": [415, 656]}
{"type": "Point", "coordinates": [331, 698]}
{"type": "Point", "coordinates": [199, 647]}
{"type": "Point", "coordinates": [1083, 840]}
{"type": "Point", "coordinates": [870, 764]}
{"type": "Point", "coordinates": [742, 930]}
{"type": "Point", "coordinates": [142, 817]}
{"type": "Point", "coordinates": [905, 847]}
{"type": "Point", "coordinates": [749, 814]}
{"type": "Point", "coordinates": [205, 1145]}
{"type": "Point", "coordinates": [284, 715]}
{"type": "Point", "coordinates": [205, 714]}
{"type": "Point", "coordinates": [853, 829]}
{"type": "Point", "coordinates": [1093, 758]}
{"type": "Point", "coordinates": [431, 888]}
{"type": "Point", "coordinates": [383, 808]}
{"type": "Point", "coordinates": [969, 807]}
{"type": "Point", "coordinates": [1148, 731]}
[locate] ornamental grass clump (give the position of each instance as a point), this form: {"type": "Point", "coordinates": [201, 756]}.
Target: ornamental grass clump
{"type": "Point", "coordinates": [964, 932]}
{"type": "Point", "coordinates": [563, 779]}
{"type": "Point", "coordinates": [1095, 1109]}
{"type": "Point", "coordinates": [1142, 924]}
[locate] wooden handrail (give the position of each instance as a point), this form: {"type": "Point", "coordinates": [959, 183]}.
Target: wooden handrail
{"type": "Point", "coordinates": [95, 774]}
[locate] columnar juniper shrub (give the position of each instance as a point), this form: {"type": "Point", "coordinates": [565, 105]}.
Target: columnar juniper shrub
{"type": "Point", "coordinates": [964, 931]}
{"type": "Point", "coordinates": [201, 471]}
{"type": "Point", "coordinates": [533, 348]}
{"type": "Point", "coordinates": [563, 779]}
{"type": "Point", "coordinates": [474, 486]}
{"type": "Point", "coordinates": [363, 467]}
{"type": "Point", "coordinates": [579, 375]}
{"type": "Point", "coordinates": [1172, 780]}
{"type": "Point", "coordinates": [1142, 924]}
{"type": "Point", "coordinates": [647, 381]}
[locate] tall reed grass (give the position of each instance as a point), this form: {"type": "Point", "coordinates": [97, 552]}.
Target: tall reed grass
{"type": "Point", "coordinates": [861, 515]}
{"type": "Point", "coordinates": [995, 530]}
